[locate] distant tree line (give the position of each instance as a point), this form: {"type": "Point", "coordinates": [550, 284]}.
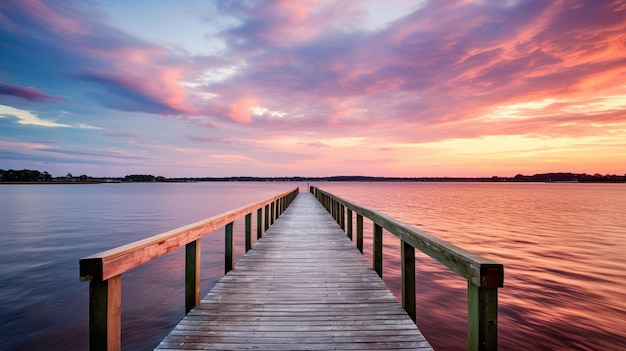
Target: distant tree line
{"type": "Point", "coordinates": [24, 175]}
{"type": "Point", "coordinates": [27, 175]}
{"type": "Point", "coordinates": [143, 178]}
{"type": "Point", "coordinates": [567, 177]}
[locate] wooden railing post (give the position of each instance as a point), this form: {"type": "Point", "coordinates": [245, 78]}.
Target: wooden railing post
{"type": "Point", "coordinates": [484, 276]}
{"type": "Point", "coordinates": [103, 270]}
{"type": "Point", "coordinates": [272, 212]}
{"type": "Point", "coordinates": [259, 223]}
{"type": "Point", "coordinates": [192, 275]}
{"type": "Point", "coordinates": [407, 253]}
{"type": "Point", "coordinates": [349, 223]}
{"type": "Point", "coordinates": [482, 314]}
{"type": "Point", "coordinates": [338, 212]}
{"type": "Point", "coordinates": [229, 258]}
{"type": "Point", "coordinates": [342, 217]}
{"type": "Point", "coordinates": [248, 231]}
{"type": "Point", "coordinates": [359, 232]}
{"type": "Point", "coordinates": [105, 323]}
{"type": "Point", "coordinates": [378, 249]}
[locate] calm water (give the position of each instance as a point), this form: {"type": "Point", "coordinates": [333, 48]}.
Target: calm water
{"type": "Point", "coordinates": [562, 246]}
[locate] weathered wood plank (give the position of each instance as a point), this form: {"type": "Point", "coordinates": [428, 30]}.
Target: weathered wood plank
{"type": "Point", "coordinates": [303, 286]}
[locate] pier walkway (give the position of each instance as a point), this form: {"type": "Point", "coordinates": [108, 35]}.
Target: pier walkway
{"type": "Point", "coordinates": [303, 286]}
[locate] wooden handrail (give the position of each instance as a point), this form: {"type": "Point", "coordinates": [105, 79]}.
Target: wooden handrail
{"type": "Point", "coordinates": [484, 276]}
{"type": "Point", "coordinates": [103, 270]}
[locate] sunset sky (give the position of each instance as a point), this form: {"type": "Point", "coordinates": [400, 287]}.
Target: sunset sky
{"type": "Point", "coordinates": [313, 88]}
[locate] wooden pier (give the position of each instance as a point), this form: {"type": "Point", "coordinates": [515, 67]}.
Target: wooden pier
{"type": "Point", "coordinates": [304, 286]}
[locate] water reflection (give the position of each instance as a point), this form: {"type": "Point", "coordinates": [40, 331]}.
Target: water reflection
{"type": "Point", "coordinates": [46, 229]}
{"type": "Point", "coordinates": [562, 247]}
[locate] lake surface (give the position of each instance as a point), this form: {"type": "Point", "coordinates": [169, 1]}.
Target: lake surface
{"type": "Point", "coordinates": [563, 247]}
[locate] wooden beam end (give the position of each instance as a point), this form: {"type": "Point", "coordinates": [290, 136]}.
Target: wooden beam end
{"type": "Point", "coordinates": [492, 275]}
{"type": "Point", "coordinates": [90, 269]}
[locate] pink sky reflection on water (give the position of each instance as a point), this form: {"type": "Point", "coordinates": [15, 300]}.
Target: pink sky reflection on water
{"type": "Point", "coordinates": [562, 247]}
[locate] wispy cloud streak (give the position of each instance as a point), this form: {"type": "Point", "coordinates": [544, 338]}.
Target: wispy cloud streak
{"type": "Point", "coordinates": [28, 93]}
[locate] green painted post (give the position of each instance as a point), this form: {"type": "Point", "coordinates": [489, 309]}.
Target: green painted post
{"type": "Point", "coordinates": [407, 253]}
{"type": "Point", "coordinates": [248, 231]}
{"type": "Point", "coordinates": [259, 223]}
{"type": "Point", "coordinates": [267, 217]}
{"type": "Point", "coordinates": [192, 275]}
{"type": "Point", "coordinates": [349, 223]}
{"type": "Point", "coordinates": [229, 258]}
{"type": "Point", "coordinates": [342, 217]}
{"type": "Point", "coordinates": [359, 232]}
{"type": "Point", "coordinates": [378, 249]}
{"type": "Point", "coordinates": [105, 327]}
{"type": "Point", "coordinates": [482, 315]}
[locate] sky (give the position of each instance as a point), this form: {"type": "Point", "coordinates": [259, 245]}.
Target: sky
{"type": "Point", "coordinates": [313, 88]}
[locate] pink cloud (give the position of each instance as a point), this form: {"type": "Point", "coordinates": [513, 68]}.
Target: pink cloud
{"type": "Point", "coordinates": [213, 140]}
{"type": "Point", "coordinates": [283, 23]}
{"type": "Point", "coordinates": [130, 74]}
{"type": "Point", "coordinates": [58, 17]}
{"type": "Point", "coordinates": [318, 144]}
{"type": "Point", "coordinates": [430, 74]}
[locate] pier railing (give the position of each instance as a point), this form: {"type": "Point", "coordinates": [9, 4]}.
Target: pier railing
{"type": "Point", "coordinates": [484, 276]}
{"type": "Point", "coordinates": [104, 270]}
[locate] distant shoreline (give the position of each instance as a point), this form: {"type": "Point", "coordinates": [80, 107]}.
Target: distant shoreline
{"type": "Point", "coordinates": [48, 183]}
{"type": "Point", "coordinates": [356, 179]}
{"type": "Point", "coordinates": [26, 176]}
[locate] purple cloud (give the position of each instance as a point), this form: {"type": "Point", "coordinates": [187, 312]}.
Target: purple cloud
{"type": "Point", "coordinates": [124, 94]}
{"type": "Point", "coordinates": [28, 93]}
{"type": "Point", "coordinates": [431, 71]}
{"type": "Point", "coordinates": [445, 63]}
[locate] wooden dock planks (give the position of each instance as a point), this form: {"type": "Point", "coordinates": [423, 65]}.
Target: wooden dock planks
{"type": "Point", "coordinates": [303, 286]}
